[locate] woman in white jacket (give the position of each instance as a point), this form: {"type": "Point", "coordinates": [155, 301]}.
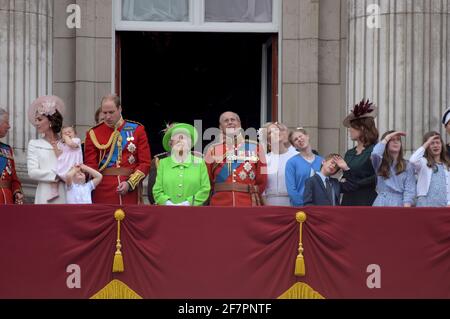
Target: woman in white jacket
{"type": "Point", "coordinates": [45, 114]}
{"type": "Point", "coordinates": [431, 165]}
{"type": "Point", "coordinates": [280, 151]}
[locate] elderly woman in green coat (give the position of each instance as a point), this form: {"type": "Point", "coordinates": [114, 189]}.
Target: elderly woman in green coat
{"type": "Point", "coordinates": [182, 178]}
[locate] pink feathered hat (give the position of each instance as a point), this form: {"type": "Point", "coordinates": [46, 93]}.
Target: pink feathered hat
{"type": "Point", "coordinates": [45, 105]}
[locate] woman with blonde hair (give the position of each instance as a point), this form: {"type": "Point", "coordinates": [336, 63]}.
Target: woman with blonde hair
{"type": "Point", "coordinates": [276, 135]}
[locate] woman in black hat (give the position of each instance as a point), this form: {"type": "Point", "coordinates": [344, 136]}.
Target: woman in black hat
{"type": "Point", "coordinates": [363, 131]}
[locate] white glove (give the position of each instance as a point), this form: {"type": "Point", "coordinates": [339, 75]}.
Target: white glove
{"type": "Point", "coordinates": [169, 203]}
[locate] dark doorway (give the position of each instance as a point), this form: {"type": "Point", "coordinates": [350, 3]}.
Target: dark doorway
{"type": "Point", "coordinates": [182, 77]}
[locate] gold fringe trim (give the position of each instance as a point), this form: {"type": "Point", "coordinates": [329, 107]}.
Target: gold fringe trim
{"type": "Point", "coordinates": [116, 290]}
{"type": "Point", "coordinates": [301, 291]}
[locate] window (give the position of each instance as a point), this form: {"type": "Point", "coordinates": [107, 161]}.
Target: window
{"type": "Point", "coordinates": [238, 11]}
{"type": "Point", "coordinates": [155, 10]}
{"type": "Point", "coordinates": [197, 15]}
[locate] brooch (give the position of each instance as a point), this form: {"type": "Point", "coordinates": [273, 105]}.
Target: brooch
{"type": "Point", "coordinates": [243, 175]}
{"type": "Point", "coordinates": [248, 167]}
{"type": "Point", "coordinates": [131, 148]}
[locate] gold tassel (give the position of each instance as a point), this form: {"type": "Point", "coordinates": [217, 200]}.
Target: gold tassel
{"type": "Point", "coordinates": [118, 258]}
{"type": "Point", "coordinates": [300, 261]}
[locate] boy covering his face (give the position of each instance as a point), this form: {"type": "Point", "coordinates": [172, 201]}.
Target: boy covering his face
{"type": "Point", "coordinates": [324, 190]}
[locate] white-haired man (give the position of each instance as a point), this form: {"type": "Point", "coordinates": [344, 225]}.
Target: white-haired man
{"type": "Point", "coordinates": [236, 166]}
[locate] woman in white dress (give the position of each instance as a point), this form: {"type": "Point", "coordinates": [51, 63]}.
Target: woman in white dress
{"type": "Point", "coordinates": [46, 114]}
{"type": "Point", "coordinates": [280, 151]}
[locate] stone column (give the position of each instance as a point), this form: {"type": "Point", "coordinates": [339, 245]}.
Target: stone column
{"type": "Point", "coordinates": [26, 51]}
{"type": "Point", "coordinates": [403, 66]}
{"type": "Point", "coordinates": [332, 72]}
{"type": "Point", "coordinates": [83, 59]}
{"type": "Point", "coordinates": [313, 70]}
{"type": "Point", "coordinates": [300, 60]}
{"type": "Point", "coordinates": [93, 60]}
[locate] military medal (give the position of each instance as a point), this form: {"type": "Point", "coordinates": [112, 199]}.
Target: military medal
{"type": "Point", "coordinates": [252, 175]}
{"type": "Point", "coordinates": [131, 159]}
{"type": "Point", "coordinates": [248, 167]}
{"type": "Point", "coordinates": [8, 167]}
{"type": "Point", "coordinates": [243, 175]}
{"type": "Point", "coordinates": [131, 146]}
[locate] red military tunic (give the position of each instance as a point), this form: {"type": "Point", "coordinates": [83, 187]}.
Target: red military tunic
{"type": "Point", "coordinates": [237, 173]}
{"type": "Point", "coordinates": [9, 183]}
{"type": "Point", "coordinates": [121, 154]}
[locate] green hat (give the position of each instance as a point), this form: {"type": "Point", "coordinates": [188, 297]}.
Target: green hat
{"type": "Point", "coordinates": [177, 128]}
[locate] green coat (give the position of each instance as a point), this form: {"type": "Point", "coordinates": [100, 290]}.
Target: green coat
{"type": "Point", "coordinates": [179, 182]}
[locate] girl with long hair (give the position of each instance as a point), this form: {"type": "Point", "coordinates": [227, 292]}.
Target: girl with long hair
{"type": "Point", "coordinates": [431, 165]}
{"type": "Point", "coordinates": [396, 184]}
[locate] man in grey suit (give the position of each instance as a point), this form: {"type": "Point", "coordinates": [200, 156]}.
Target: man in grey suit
{"type": "Point", "coordinates": [324, 190]}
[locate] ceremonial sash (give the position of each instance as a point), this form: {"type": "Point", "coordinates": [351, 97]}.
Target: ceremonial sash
{"type": "Point", "coordinates": [224, 172]}
{"type": "Point", "coordinates": [3, 157]}
{"type": "Point", "coordinates": [127, 131]}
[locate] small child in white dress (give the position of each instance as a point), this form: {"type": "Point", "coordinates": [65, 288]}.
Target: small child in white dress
{"type": "Point", "coordinates": [78, 190]}
{"type": "Point", "coordinates": [69, 154]}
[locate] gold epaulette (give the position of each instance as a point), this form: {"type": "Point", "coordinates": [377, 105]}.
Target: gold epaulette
{"type": "Point", "coordinates": [133, 122]}
{"type": "Point", "coordinates": [91, 129]}
{"type": "Point", "coordinates": [96, 125]}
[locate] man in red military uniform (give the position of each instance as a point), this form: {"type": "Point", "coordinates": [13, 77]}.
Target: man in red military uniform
{"type": "Point", "coordinates": [236, 167]}
{"type": "Point", "coordinates": [10, 187]}
{"type": "Point", "coordinates": [118, 149]}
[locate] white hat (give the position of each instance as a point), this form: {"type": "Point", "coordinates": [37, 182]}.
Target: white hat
{"type": "Point", "coordinates": [446, 116]}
